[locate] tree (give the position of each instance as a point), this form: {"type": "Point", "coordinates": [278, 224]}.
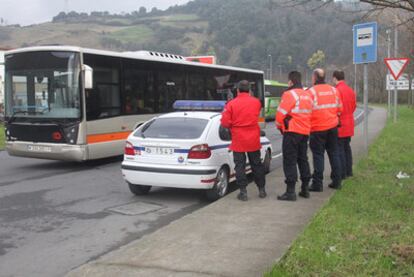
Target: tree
{"type": "Point", "coordinates": [142, 11]}
{"type": "Point", "coordinates": [316, 60]}
{"type": "Point", "coordinates": [407, 5]}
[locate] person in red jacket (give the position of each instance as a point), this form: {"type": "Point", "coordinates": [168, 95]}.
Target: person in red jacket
{"type": "Point", "coordinates": [293, 119]}
{"type": "Point", "coordinates": [327, 107]}
{"type": "Point", "coordinates": [347, 123]}
{"type": "Point", "coordinates": [241, 116]}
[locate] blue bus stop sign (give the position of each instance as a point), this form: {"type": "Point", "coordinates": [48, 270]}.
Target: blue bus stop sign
{"type": "Point", "coordinates": [365, 43]}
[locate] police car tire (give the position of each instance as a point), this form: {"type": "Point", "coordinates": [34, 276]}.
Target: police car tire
{"type": "Point", "coordinates": [139, 189]}
{"type": "Point", "coordinates": [213, 194]}
{"type": "Point", "coordinates": [267, 161]}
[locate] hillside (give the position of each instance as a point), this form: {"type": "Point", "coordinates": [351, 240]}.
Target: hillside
{"type": "Point", "coordinates": [239, 32]}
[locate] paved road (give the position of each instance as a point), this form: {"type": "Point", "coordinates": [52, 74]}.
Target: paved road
{"type": "Point", "coordinates": [55, 216]}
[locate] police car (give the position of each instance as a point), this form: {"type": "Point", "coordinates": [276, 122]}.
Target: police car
{"type": "Point", "coordinates": [184, 149]}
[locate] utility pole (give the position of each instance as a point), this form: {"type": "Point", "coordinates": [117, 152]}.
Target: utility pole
{"type": "Point", "coordinates": [270, 67]}
{"type": "Point", "coordinates": [280, 73]}
{"type": "Point", "coordinates": [388, 72]}
{"type": "Point", "coordinates": [395, 88]}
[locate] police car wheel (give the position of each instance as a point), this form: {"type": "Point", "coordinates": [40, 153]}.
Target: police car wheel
{"type": "Point", "coordinates": [139, 189]}
{"type": "Point", "coordinates": [220, 186]}
{"type": "Point", "coordinates": [267, 161]}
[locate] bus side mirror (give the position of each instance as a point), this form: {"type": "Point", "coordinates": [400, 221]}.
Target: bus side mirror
{"type": "Point", "coordinates": [88, 73]}
{"type": "Point", "coordinates": [139, 124]}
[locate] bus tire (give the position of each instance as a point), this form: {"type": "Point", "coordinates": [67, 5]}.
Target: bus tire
{"type": "Point", "coordinates": [267, 161]}
{"type": "Point", "coordinates": [139, 189]}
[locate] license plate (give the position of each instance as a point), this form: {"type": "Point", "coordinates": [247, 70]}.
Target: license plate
{"type": "Point", "coordinates": [38, 148]}
{"type": "Point", "coordinates": [159, 150]}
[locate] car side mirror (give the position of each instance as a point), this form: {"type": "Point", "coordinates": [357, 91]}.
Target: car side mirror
{"type": "Point", "coordinates": [88, 76]}
{"type": "Point", "coordinates": [262, 133]}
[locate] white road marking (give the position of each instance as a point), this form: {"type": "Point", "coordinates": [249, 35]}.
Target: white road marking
{"type": "Point", "coordinates": [359, 115]}
{"type": "Point", "coordinates": [277, 156]}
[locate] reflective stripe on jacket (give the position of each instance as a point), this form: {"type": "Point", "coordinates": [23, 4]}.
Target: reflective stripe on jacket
{"type": "Point", "coordinates": [241, 116]}
{"type": "Point", "coordinates": [327, 106]}
{"type": "Point", "coordinates": [348, 98]}
{"type": "Point", "coordinates": [294, 112]}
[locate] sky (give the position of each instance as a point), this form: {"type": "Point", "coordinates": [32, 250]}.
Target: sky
{"type": "Point", "coordinates": [26, 12]}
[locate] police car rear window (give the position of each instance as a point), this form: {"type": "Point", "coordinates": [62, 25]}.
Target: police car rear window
{"type": "Point", "coordinates": [173, 128]}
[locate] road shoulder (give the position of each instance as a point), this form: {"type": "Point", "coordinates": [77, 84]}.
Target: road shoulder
{"type": "Point", "coordinates": [228, 237]}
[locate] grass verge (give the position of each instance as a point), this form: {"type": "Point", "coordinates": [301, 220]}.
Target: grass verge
{"type": "Point", "coordinates": [2, 136]}
{"type": "Point", "coordinates": [137, 34]}
{"type": "Point", "coordinates": [366, 229]}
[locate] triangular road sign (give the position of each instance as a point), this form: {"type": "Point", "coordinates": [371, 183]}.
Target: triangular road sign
{"type": "Point", "coordinates": [396, 66]}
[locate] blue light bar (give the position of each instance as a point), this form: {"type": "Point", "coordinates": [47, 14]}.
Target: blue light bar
{"type": "Point", "coordinates": [198, 105]}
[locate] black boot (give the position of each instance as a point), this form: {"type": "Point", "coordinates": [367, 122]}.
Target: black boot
{"type": "Point", "coordinates": [335, 186]}
{"type": "Point", "coordinates": [304, 191]}
{"type": "Point", "coordinates": [242, 195]}
{"type": "Point", "coordinates": [316, 188]}
{"type": "Point", "coordinates": [289, 195]}
{"type": "Point", "coordinates": [262, 192]}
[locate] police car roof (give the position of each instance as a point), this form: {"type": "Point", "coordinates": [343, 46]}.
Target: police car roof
{"type": "Point", "coordinates": [191, 114]}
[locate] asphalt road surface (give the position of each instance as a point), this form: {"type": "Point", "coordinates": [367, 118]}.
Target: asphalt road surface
{"type": "Point", "coordinates": [55, 216]}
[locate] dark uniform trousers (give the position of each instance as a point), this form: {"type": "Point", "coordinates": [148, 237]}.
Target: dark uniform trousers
{"type": "Point", "coordinates": [345, 156]}
{"type": "Point", "coordinates": [295, 148]}
{"type": "Point", "coordinates": [319, 142]}
{"type": "Point", "coordinates": [255, 164]}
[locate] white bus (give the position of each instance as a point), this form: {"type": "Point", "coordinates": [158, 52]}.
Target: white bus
{"type": "Point", "coordinates": [76, 104]}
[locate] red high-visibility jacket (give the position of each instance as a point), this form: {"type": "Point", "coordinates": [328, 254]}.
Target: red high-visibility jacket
{"type": "Point", "coordinates": [348, 98]}
{"type": "Point", "coordinates": [241, 116]}
{"type": "Point", "coordinates": [295, 111]}
{"type": "Point", "coordinates": [327, 107]}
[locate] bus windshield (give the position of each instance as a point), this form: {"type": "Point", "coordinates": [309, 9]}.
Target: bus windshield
{"type": "Point", "coordinates": [43, 85]}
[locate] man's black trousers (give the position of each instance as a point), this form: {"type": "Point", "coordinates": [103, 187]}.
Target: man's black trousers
{"type": "Point", "coordinates": [345, 156]}
{"type": "Point", "coordinates": [255, 164]}
{"type": "Point", "coordinates": [295, 148]}
{"type": "Point", "coordinates": [319, 142]}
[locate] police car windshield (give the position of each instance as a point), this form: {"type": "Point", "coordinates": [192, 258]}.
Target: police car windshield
{"type": "Point", "coordinates": [173, 128]}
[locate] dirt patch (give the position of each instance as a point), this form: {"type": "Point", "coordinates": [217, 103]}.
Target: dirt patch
{"type": "Point", "coordinates": [404, 252]}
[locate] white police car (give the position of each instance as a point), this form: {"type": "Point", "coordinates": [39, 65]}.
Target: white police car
{"type": "Point", "coordinates": [184, 149]}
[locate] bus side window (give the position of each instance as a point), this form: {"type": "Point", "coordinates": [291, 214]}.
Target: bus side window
{"type": "Point", "coordinates": [93, 110]}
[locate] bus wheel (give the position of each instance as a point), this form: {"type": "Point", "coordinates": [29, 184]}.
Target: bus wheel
{"type": "Point", "coordinates": [267, 161]}
{"type": "Point", "coordinates": [139, 189]}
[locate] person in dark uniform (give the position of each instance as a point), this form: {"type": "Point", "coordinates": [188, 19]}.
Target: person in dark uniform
{"type": "Point", "coordinates": [241, 116]}
{"type": "Point", "coordinates": [293, 119]}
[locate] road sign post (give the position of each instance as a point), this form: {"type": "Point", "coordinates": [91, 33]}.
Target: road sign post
{"type": "Point", "coordinates": [365, 51]}
{"type": "Point", "coordinates": [396, 67]}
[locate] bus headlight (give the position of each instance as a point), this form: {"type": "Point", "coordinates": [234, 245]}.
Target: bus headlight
{"type": "Point", "coordinates": [71, 134]}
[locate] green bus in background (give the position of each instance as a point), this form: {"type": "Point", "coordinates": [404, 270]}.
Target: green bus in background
{"type": "Point", "coordinates": [273, 92]}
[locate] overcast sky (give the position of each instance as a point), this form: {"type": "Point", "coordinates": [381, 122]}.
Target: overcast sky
{"type": "Point", "coordinates": [27, 12]}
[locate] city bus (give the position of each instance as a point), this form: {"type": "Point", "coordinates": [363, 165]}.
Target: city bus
{"type": "Point", "coordinates": [273, 92]}
{"type": "Point", "coordinates": [77, 104]}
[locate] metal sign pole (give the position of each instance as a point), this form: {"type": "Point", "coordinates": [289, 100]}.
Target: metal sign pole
{"type": "Point", "coordinates": [366, 107]}
{"type": "Point", "coordinates": [395, 88]}
{"type": "Point", "coordinates": [389, 56]}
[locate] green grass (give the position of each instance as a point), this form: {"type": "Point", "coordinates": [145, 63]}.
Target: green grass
{"type": "Point", "coordinates": [2, 136]}
{"type": "Point", "coordinates": [138, 33]}
{"type": "Point", "coordinates": [367, 228]}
